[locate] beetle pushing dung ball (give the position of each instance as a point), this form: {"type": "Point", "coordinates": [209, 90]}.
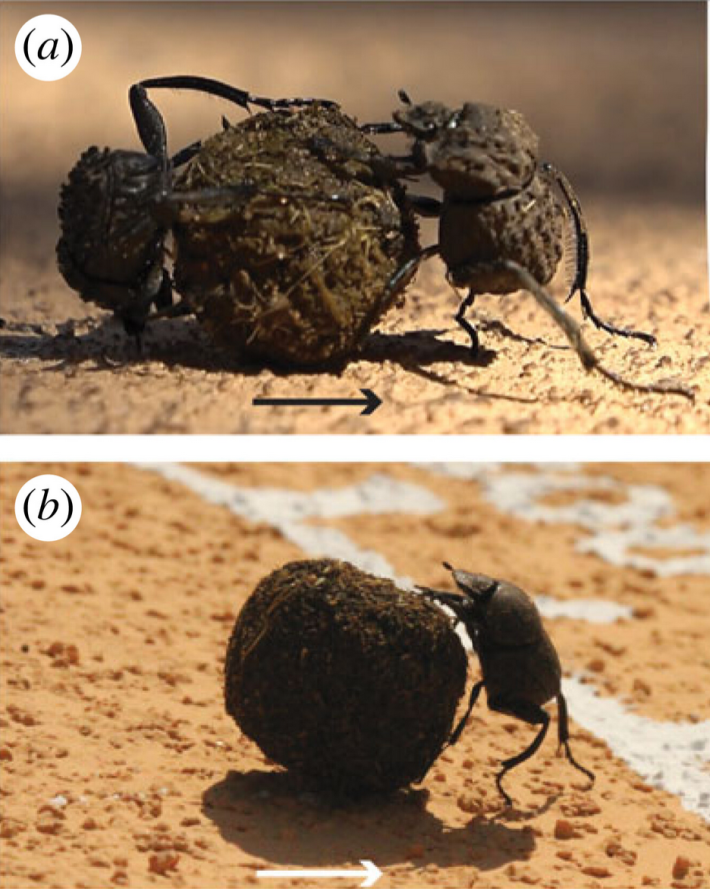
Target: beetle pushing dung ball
{"type": "Point", "coordinates": [344, 678]}
{"type": "Point", "coordinates": [284, 250]}
{"type": "Point", "coordinates": [520, 667]}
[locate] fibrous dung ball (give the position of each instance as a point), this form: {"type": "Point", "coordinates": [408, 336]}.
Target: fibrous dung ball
{"type": "Point", "coordinates": [343, 677]}
{"type": "Point", "coordinates": [292, 266]}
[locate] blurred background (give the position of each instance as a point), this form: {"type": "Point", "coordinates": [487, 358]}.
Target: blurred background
{"type": "Point", "coordinates": [615, 90]}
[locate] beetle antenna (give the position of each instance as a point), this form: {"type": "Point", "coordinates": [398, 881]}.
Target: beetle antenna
{"type": "Point", "coordinates": [404, 97]}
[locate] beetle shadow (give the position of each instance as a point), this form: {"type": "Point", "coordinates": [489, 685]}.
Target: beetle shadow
{"type": "Point", "coordinates": [274, 817]}
{"type": "Point", "coordinates": [183, 343]}
{"type": "Point", "coordinates": [420, 348]}
{"type": "Point", "coordinates": [495, 324]}
{"type": "Point", "coordinates": [104, 343]}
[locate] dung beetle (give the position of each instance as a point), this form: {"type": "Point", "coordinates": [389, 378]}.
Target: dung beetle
{"type": "Point", "coordinates": [519, 664]}
{"type": "Point", "coordinates": [503, 217]}
{"type": "Point", "coordinates": [117, 208]}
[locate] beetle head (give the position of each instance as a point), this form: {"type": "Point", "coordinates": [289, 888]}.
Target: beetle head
{"type": "Point", "coordinates": [423, 121]}
{"type": "Point", "coordinates": [477, 588]}
{"type": "Point", "coordinates": [111, 246]}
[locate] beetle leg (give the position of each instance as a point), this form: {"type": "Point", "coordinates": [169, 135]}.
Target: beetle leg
{"type": "Point", "coordinates": [456, 734]}
{"type": "Point", "coordinates": [451, 599]}
{"type": "Point", "coordinates": [467, 326]}
{"type": "Point", "coordinates": [149, 123]}
{"type": "Point", "coordinates": [410, 266]}
{"type": "Point", "coordinates": [385, 167]}
{"type": "Point", "coordinates": [185, 154]}
{"type": "Point", "coordinates": [563, 735]}
{"type": "Point", "coordinates": [378, 129]}
{"type": "Point", "coordinates": [134, 325]}
{"type": "Point", "coordinates": [187, 206]}
{"type": "Point", "coordinates": [424, 205]}
{"type": "Point", "coordinates": [533, 715]}
{"type": "Point", "coordinates": [574, 334]}
{"type": "Point", "coordinates": [581, 238]}
{"type": "Point", "coordinates": [163, 299]}
{"type": "Point", "coordinates": [232, 93]}
{"type": "Point", "coordinates": [609, 328]}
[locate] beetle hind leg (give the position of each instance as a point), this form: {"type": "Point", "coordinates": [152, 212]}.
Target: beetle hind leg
{"type": "Point", "coordinates": [533, 715]}
{"type": "Point", "coordinates": [462, 321]}
{"type": "Point", "coordinates": [581, 238]}
{"type": "Point", "coordinates": [589, 312]}
{"type": "Point", "coordinates": [563, 735]}
{"type": "Point", "coordinates": [573, 333]}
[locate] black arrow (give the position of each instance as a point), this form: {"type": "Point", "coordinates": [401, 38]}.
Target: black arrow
{"type": "Point", "coordinates": [371, 402]}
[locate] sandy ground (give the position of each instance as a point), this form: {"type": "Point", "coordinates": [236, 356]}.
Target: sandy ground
{"type": "Point", "coordinates": [616, 92]}
{"type": "Point", "coordinates": [120, 767]}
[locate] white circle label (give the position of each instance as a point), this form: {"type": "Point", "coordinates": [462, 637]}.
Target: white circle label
{"type": "Point", "coordinates": [48, 47]}
{"type": "Point", "coordinates": [48, 507]}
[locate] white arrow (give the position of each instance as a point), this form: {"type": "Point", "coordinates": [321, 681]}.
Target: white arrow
{"type": "Point", "coordinates": [372, 873]}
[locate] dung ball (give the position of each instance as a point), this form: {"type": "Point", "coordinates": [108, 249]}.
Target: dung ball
{"type": "Point", "coordinates": [343, 677]}
{"type": "Point", "coordinates": [292, 267]}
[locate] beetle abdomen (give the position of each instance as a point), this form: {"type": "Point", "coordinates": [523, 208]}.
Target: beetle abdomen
{"type": "Point", "coordinates": [531, 672]}
{"type": "Point", "coordinates": [525, 228]}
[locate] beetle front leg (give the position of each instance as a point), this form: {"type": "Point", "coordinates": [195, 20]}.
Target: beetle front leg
{"type": "Point", "coordinates": [409, 267]}
{"type": "Point", "coordinates": [424, 205]}
{"type": "Point", "coordinates": [380, 129]}
{"type": "Point", "coordinates": [456, 734]}
{"type": "Point", "coordinates": [186, 207]}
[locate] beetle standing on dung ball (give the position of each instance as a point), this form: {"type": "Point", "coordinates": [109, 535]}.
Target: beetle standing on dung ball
{"type": "Point", "coordinates": [282, 254]}
{"type": "Point", "coordinates": [519, 664]}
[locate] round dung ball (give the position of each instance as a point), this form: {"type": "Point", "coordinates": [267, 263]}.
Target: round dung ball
{"type": "Point", "coordinates": [343, 677]}
{"type": "Point", "coordinates": [292, 265]}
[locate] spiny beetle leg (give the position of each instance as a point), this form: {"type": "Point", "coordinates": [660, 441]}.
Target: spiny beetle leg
{"type": "Point", "coordinates": [581, 238]}
{"type": "Point", "coordinates": [232, 93]}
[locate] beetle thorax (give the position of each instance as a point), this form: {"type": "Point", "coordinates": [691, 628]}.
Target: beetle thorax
{"type": "Point", "coordinates": [484, 153]}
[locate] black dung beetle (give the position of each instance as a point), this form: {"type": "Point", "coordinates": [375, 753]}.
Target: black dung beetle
{"type": "Point", "coordinates": [520, 667]}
